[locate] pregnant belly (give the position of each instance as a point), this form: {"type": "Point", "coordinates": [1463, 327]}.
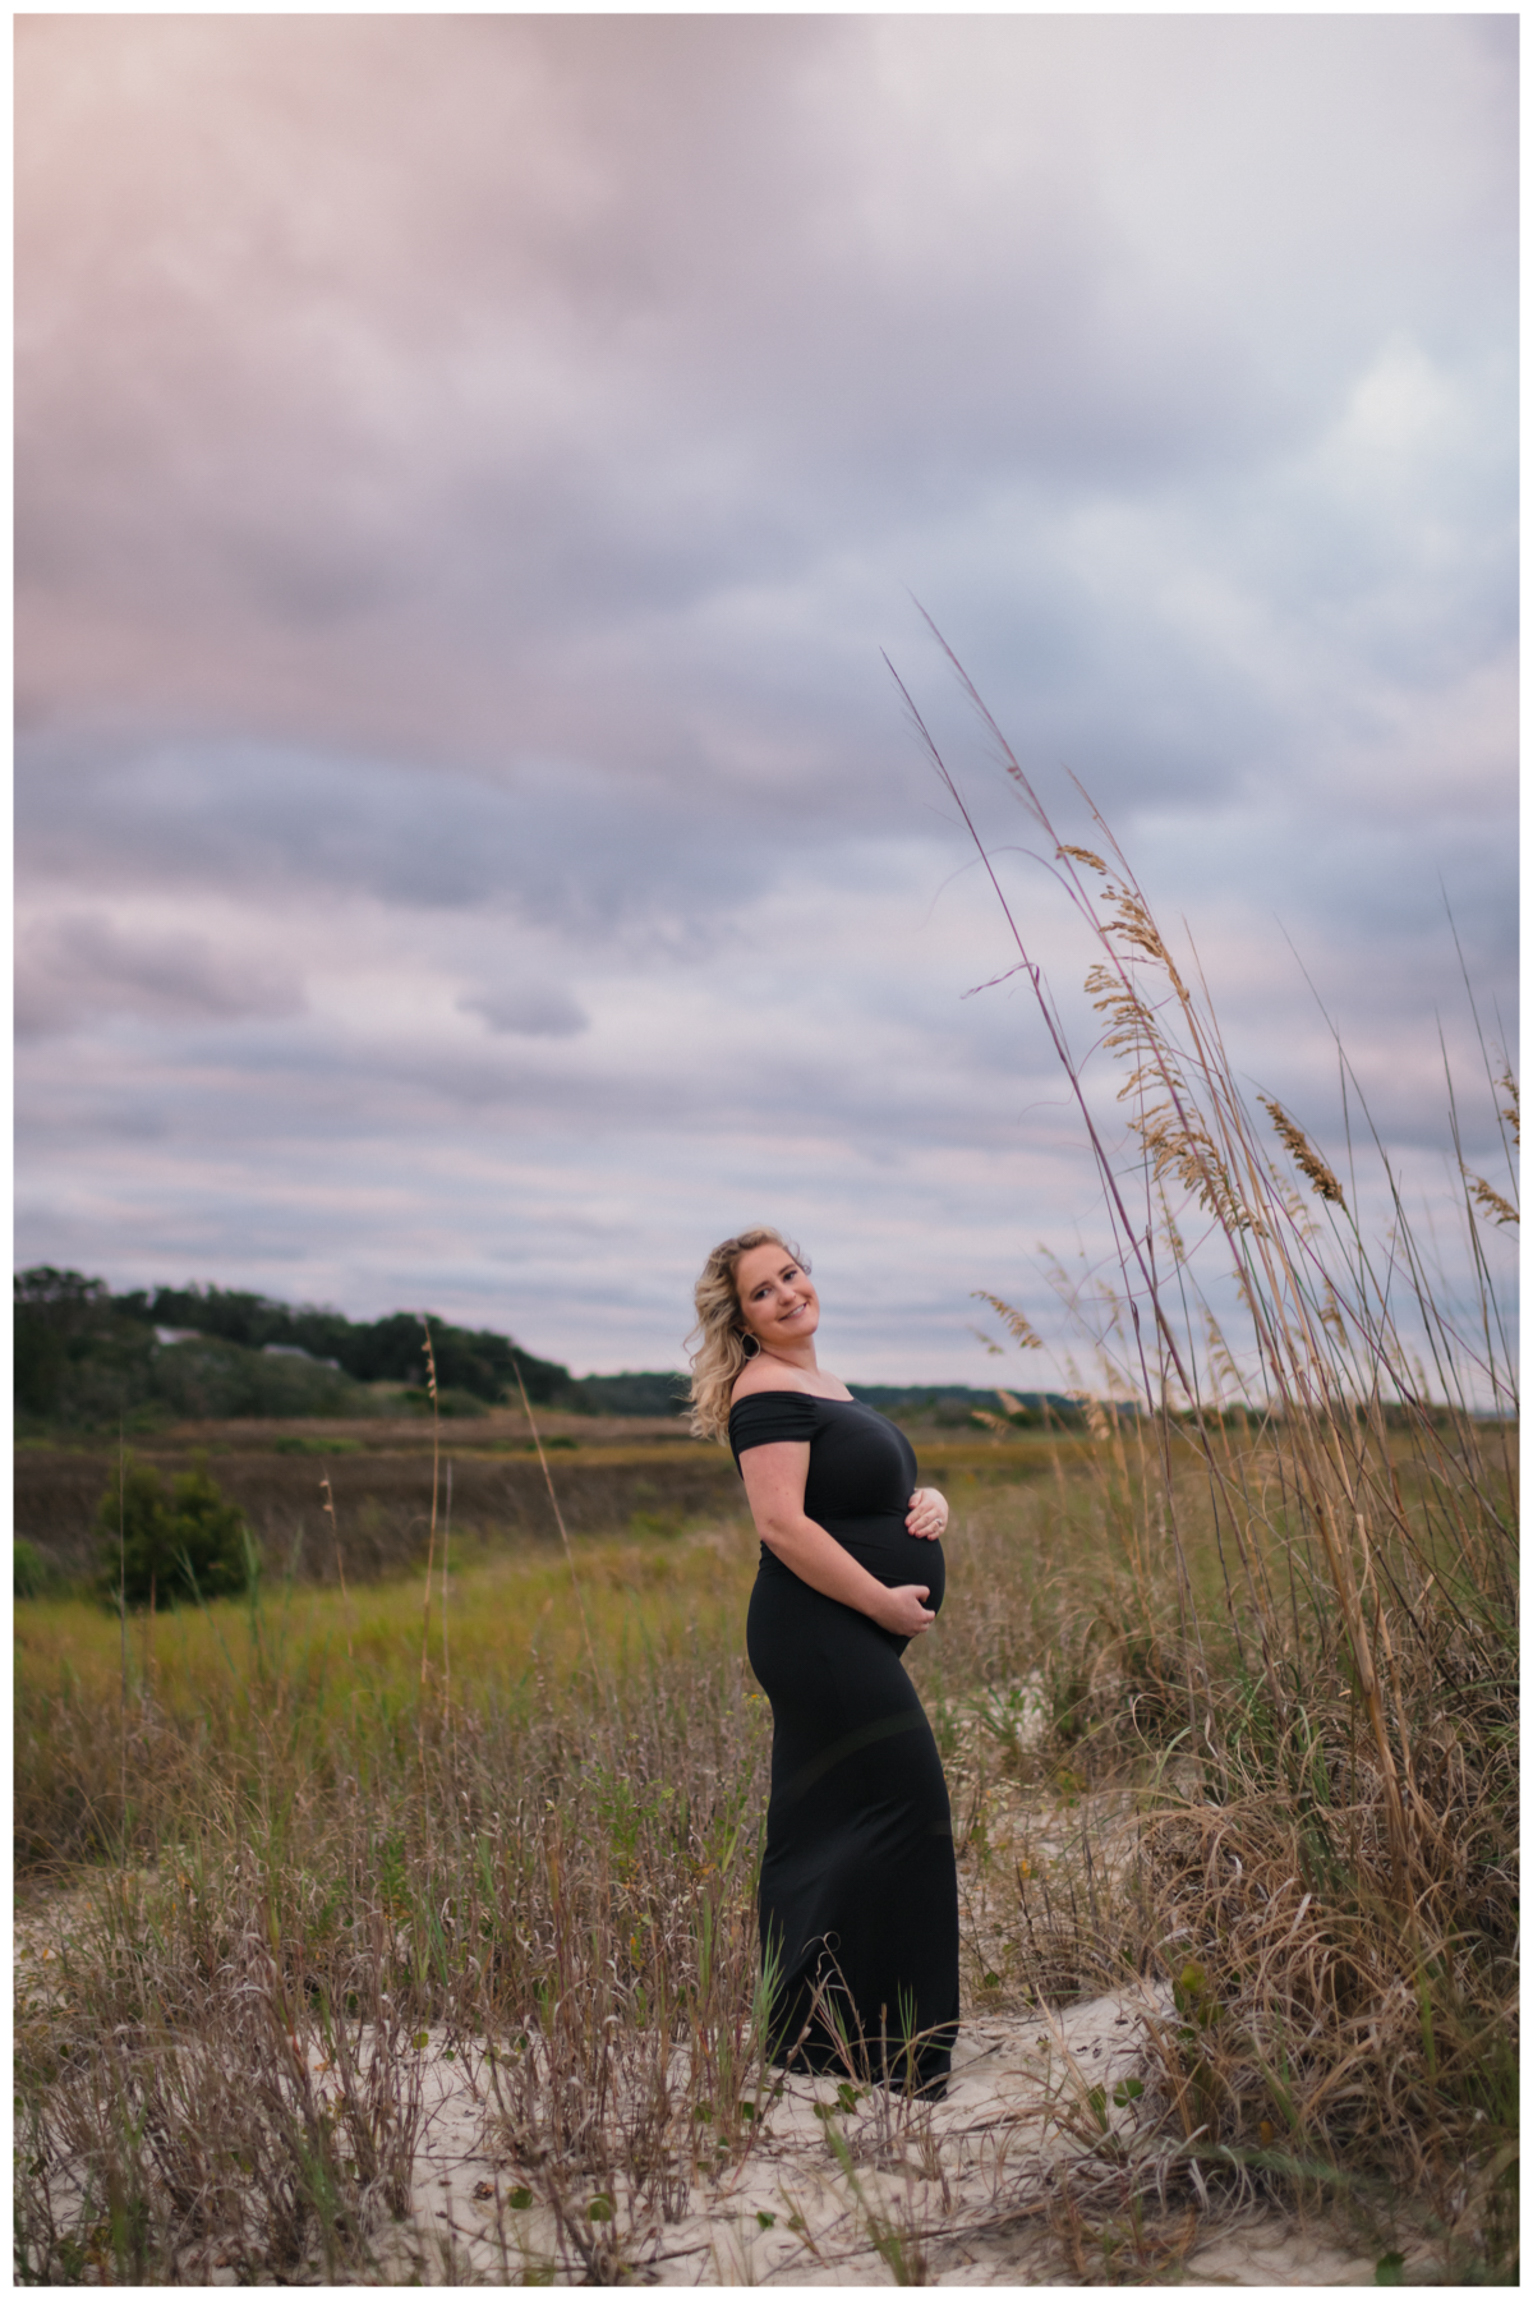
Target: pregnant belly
{"type": "Point", "coordinates": [890, 1554]}
{"type": "Point", "coordinates": [806, 1648]}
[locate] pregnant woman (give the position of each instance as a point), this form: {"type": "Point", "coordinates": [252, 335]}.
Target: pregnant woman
{"type": "Point", "coordinates": [859, 1894]}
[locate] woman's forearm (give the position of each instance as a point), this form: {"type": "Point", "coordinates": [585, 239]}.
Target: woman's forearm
{"type": "Point", "coordinates": [816, 1557]}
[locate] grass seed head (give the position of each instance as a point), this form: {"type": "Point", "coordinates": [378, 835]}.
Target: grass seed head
{"type": "Point", "coordinates": [1488, 1200]}
{"type": "Point", "coordinates": [1308, 1159]}
{"type": "Point", "coordinates": [1019, 1327]}
{"type": "Point", "coordinates": [1512, 1112]}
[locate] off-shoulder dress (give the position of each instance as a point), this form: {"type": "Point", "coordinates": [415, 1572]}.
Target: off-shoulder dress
{"type": "Point", "coordinates": [859, 1893]}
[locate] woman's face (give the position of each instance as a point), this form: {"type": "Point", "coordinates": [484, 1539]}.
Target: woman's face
{"type": "Point", "coordinates": [778, 1303]}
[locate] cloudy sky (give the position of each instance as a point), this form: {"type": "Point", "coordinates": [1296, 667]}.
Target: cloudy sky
{"type": "Point", "coordinates": [471, 851]}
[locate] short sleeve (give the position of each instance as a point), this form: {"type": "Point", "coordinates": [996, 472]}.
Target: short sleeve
{"type": "Point", "coordinates": [771, 1417]}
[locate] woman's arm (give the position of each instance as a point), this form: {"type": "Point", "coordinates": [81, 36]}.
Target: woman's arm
{"type": "Point", "coordinates": [774, 1484]}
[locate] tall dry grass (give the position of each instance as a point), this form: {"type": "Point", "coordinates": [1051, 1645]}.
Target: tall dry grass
{"type": "Point", "coordinates": [1338, 1913]}
{"type": "Point", "coordinates": [322, 1859]}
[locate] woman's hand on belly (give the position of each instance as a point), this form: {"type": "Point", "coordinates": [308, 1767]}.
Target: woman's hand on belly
{"type": "Point", "coordinates": [927, 1515]}
{"type": "Point", "coordinates": [774, 1483]}
{"type": "Point", "coordinates": [906, 1611]}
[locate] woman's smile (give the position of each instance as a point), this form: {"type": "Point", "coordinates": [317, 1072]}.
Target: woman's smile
{"type": "Point", "coordinates": [777, 1299]}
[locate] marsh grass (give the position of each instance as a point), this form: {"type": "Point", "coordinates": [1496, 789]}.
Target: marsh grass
{"type": "Point", "coordinates": [1227, 1698]}
{"type": "Point", "coordinates": [381, 1494]}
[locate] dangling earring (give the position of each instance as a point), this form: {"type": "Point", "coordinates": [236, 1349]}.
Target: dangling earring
{"type": "Point", "coordinates": [750, 1347]}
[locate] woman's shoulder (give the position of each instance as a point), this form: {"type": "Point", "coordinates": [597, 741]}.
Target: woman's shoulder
{"type": "Point", "coordinates": [754, 1384]}
{"type": "Point", "coordinates": [775, 1416]}
{"type": "Point", "coordinates": [775, 1403]}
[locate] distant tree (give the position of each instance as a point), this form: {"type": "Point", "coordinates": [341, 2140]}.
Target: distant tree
{"type": "Point", "coordinates": [205, 1379]}
{"type": "Point", "coordinates": [163, 1551]}
{"type": "Point", "coordinates": [76, 1359]}
{"type": "Point", "coordinates": [380, 1350]}
{"type": "Point", "coordinates": [54, 1311]}
{"type": "Point", "coordinates": [484, 1364]}
{"type": "Point", "coordinates": [653, 1395]}
{"type": "Point", "coordinates": [225, 1312]}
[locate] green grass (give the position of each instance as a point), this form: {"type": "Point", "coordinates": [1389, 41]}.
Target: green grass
{"type": "Point", "coordinates": [298, 1676]}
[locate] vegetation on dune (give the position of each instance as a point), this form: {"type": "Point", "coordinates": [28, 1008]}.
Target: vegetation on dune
{"type": "Point", "coordinates": [86, 1357]}
{"type": "Point", "coordinates": [1228, 1701]}
{"type": "Point", "coordinates": [336, 1841]}
{"type": "Point", "coordinates": [552, 1834]}
{"type": "Point", "coordinates": [482, 1364]}
{"type": "Point", "coordinates": [85, 1361]}
{"type": "Point", "coordinates": [1343, 1898]}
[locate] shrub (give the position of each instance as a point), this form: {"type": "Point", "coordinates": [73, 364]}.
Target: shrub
{"type": "Point", "coordinates": [36, 1572]}
{"type": "Point", "coordinates": [158, 1551]}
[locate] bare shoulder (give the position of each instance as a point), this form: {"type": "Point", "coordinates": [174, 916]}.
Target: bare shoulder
{"type": "Point", "coordinates": [758, 1381]}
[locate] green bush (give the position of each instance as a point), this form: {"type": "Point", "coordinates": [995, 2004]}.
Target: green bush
{"type": "Point", "coordinates": [36, 1572]}
{"type": "Point", "coordinates": [162, 1551]}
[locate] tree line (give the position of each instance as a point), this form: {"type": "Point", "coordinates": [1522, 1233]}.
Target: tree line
{"type": "Point", "coordinates": [85, 1356]}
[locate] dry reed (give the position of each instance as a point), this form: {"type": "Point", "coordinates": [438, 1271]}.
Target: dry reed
{"type": "Point", "coordinates": [1342, 1904]}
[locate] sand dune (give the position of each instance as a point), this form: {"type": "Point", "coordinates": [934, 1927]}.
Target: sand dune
{"type": "Point", "coordinates": [962, 2187]}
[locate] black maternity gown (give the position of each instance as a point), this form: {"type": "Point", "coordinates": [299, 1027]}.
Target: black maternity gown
{"type": "Point", "coordinates": [859, 1891]}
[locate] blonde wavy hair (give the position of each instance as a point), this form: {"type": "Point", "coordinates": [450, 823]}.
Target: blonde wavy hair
{"type": "Point", "coordinates": [719, 1333]}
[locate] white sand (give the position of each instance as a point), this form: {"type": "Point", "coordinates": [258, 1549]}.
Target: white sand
{"type": "Point", "coordinates": [963, 2185]}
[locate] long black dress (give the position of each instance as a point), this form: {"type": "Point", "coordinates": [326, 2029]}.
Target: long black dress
{"type": "Point", "coordinates": [859, 1891]}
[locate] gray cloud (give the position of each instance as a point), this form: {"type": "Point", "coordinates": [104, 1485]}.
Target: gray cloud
{"type": "Point", "coordinates": [530, 1010]}
{"type": "Point", "coordinates": [82, 966]}
{"type": "Point", "coordinates": [387, 428]}
{"type": "Point", "coordinates": [579, 848]}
